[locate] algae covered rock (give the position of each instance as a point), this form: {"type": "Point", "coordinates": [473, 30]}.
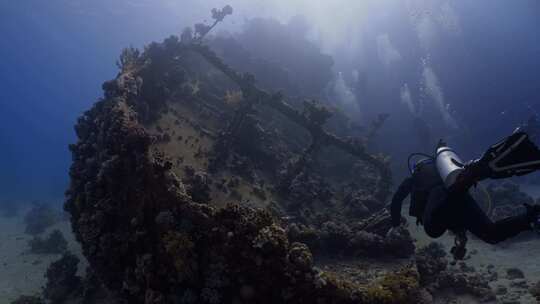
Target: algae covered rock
{"type": "Point", "coordinates": [436, 275]}
{"type": "Point", "coordinates": [431, 260]}
{"type": "Point", "coordinates": [400, 287]}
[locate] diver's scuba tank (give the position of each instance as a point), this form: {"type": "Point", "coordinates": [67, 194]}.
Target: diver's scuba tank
{"type": "Point", "coordinates": [450, 167]}
{"type": "Point", "coordinates": [448, 164]}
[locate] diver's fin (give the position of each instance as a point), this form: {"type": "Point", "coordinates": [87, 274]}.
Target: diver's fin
{"type": "Point", "coordinates": [514, 156]}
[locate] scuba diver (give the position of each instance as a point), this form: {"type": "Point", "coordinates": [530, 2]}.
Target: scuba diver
{"type": "Point", "coordinates": [440, 199]}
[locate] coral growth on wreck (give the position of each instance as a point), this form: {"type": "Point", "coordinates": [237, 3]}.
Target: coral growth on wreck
{"type": "Point", "coordinates": [191, 184]}
{"type": "Point", "coordinates": [146, 233]}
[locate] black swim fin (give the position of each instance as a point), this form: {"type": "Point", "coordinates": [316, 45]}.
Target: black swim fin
{"type": "Point", "coordinates": [516, 155]}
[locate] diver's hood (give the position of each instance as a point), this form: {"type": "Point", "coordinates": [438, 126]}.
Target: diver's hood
{"type": "Point", "coordinates": [515, 155]}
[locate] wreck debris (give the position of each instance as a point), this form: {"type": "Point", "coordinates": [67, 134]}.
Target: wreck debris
{"type": "Point", "coordinates": [312, 119]}
{"type": "Point", "coordinates": [150, 239]}
{"type": "Point", "coordinates": [353, 241]}
{"type": "Point", "coordinates": [376, 125]}
{"type": "Point", "coordinates": [148, 259]}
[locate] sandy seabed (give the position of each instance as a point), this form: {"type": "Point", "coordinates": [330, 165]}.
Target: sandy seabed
{"type": "Point", "coordinates": [522, 252]}
{"type": "Point", "coordinates": [22, 273]}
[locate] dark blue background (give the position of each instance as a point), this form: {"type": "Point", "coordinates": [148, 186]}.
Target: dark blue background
{"type": "Point", "coordinates": [55, 54]}
{"type": "Point", "coordinates": [53, 59]}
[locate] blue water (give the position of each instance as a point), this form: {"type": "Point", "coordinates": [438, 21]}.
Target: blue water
{"type": "Point", "coordinates": [54, 57]}
{"type": "Point", "coordinates": [55, 54]}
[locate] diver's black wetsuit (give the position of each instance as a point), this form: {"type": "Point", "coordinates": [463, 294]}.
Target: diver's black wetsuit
{"type": "Point", "coordinates": [433, 206]}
